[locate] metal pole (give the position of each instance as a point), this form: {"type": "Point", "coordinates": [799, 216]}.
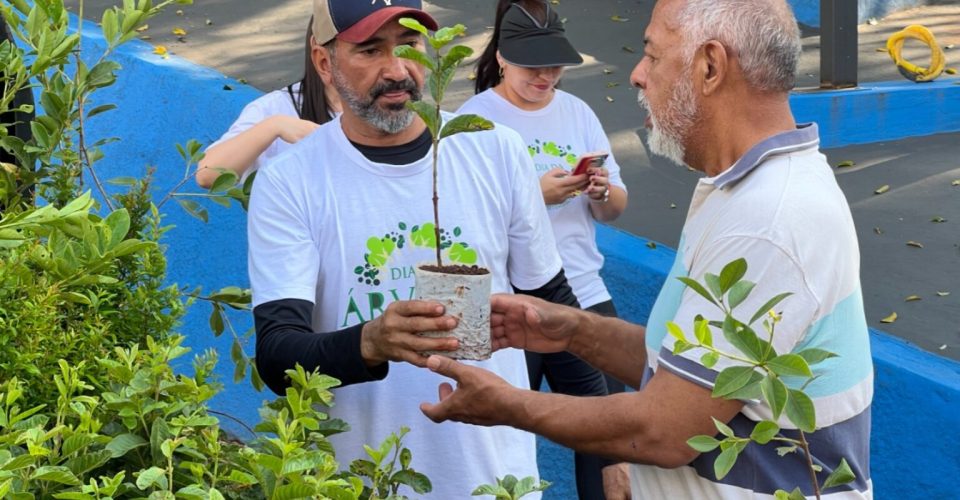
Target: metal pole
{"type": "Point", "coordinates": [838, 44]}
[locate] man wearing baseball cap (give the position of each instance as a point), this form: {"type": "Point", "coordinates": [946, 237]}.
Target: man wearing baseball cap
{"type": "Point", "coordinates": [335, 230]}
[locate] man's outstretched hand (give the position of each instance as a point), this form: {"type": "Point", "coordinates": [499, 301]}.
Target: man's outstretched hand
{"type": "Point", "coordinates": [526, 322]}
{"type": "Point", "coordinates": [480, 398]}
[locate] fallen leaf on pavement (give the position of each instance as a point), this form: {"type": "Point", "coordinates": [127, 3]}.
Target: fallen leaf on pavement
{"type": "Point", "coordinates": [914, 244]}
{"type": "Point", "coordinates": [607, 71]}
{"type": "Point", "coordinates": [950, 71]}
{"type": "Point", "coordinates": [943, 347]}
{"type": "Point", "coordinates": [179, 32]}
{"type": "Point", "coordinates": [882, 189]}
{"type": "Point", "coordinates": [179, 12]}
{"type": "Point", "coordinates": [912, 298]}
{"type": "Point", "coordinates": [955, 183]}
{"type": "Point", "coordinates": [651, 244]}
{"type": "Point", "coordinates": [160, 50]}
{"type": "Point", "coordinates": [472, 76]}
{"type": "Point", "coordinates": [878, 230]}
{"type": "Point", "coordinates": [846, 163]}
{"type": "Point", "coordinates": [209, 22]}
{"type": "Point", "coordinates": [609, 99]}
{"type": "Point", "coordinates": [889, 319]}
{"type": "Point", "coordinates": [938, 219]}
{"type": "Point", "coordinates": [618, 19]}
{"type": "Point", "coordinates": [143, 28]}
{"type": "Point", "coordinates": [611, 85]}
{"type": "Point", "coordinates": [942, 294]}
{"type": "Point", "coordinates": [628, 48]}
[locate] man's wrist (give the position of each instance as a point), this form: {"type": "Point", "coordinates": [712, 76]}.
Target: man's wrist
{"type": "Point", "coordinates": [368, 350]}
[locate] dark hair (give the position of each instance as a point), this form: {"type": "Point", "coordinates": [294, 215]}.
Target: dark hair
{"type": "Point", "coordinates": [488, 70]}
{"type": "Point", "coordinates": [311, 104]}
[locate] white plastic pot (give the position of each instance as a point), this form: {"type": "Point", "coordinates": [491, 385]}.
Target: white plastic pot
{"type": "Point", "coordinates": [466, 297]}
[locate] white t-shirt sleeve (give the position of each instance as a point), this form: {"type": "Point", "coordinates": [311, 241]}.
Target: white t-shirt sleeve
{"type": "Point", "coordinates": [533, 259]}
{"type": "Point", "coordinates": [283, 260]}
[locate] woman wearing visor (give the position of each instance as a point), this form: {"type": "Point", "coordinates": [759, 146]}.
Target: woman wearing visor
{"type": "Point", "coordinates": [517, 75]}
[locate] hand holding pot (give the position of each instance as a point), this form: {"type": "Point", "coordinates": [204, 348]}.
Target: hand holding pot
{"type": "Point", "coordinates": [393, 335]}
{"type": "Point", "coordinates": [526, 322]}
{"type": "Point", "coordinates": [480, 397]}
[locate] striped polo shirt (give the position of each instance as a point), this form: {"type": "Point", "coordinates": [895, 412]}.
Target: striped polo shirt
{"type": "Point", "coordinates": [780, 208]}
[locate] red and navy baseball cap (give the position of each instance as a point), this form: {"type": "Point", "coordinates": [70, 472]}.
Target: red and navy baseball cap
{"type": "Point", "coordinates": [355, 21]}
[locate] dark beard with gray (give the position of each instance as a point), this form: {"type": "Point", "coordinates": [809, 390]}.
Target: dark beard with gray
{"type": "Point", "coordinates": [391, 119]}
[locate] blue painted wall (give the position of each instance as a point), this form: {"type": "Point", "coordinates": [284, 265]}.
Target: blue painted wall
{"type": "Point", "coordinates": [808, 11]}
{"type": "Point", "coordinates": [165, 102]}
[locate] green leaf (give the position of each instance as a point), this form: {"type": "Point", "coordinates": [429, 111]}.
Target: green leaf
{"type": "Point", "coordinates": [764, 431]}
{"type": "Point", "coordinates": [731, 274]}
{"type": "Point", "coordinates": [733, 379]}
{"type": "Point", "coordinates": [419, 482]}
{"type": "Point", "coordinates": [19, 462]}
{"type": "Point", "coordinates": [87, 462]}
{"type": "Point", "coordinates": [725, 461]}
{"type": "Point", "coordinates": [102, 75]}
{"type": "Point", "coordinates": [814, 356]}
{"type": "Point", "coordinates": [427, 113]}
{"type": "Point", "coordinates": [123, 181]}
{"type": "Point", "coordinates": [455, 56]}
{"type": "Point", "coordinates": [495, 491]}
{"type": "Point", "coordinates": [702, 331]}
{"type": "Point", "coordinates": [120, 445]}
{"type": "Point", "coordinates": [100, 109]}
{"type": "Point", "coordinates": [415, 55]}
{"type": "Point", "coordinates": [216, 321]}
{"type": "Point", "coordinates": [675, 331]}
{"type": "Point", "coordinates": [154, 476]}
{"type": "Point", "coordinates": [294, 491]}
{"type": "Point", "coordinates": [682, 346]}
{"type": "Point", "coordinates": [703, 444]}
{"type": "Point", "coordinates": [465, 123]}
{"type": "Point", "coordinates": [119, 223]}
{"type": "Point", "coordinates": [774, 393]}
{"type": "Point", "coordinates": [445, 35]}
{"type": "Point", "coordinates": [697, 287]}
{"type": "Point", "coordinates": [193, 208]}
{"type": "Point", "coordinates": [713, 284]}
{"type": "Point", "coordinates": [770, 304]}
{"type": "Point", "coordinates": [226, 180]}
{"type": "Point", "coordinates": [56, 474]}
{"type": "Point", "coordinates": [841, 475]}
{"type": "Point", "coordinates": [790, 365]}
{"type": "Point", "coordinates": [739, 292]}
{"type": "Point", "coordinates": [710, 359]}
{"type": "Point", "coordinates": [723, 428]}
{"type": "Point", "coordinates": [800, 411]}
{"type": "Point", "coordinates": [409, 22]}
{"type": "Point", "coordinates": [743, 338]}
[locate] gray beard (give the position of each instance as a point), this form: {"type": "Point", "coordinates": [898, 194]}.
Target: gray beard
{"type": "Point", "coordinates": [392, 120]}
{"type": "Point", "coordinates": [668, 134]}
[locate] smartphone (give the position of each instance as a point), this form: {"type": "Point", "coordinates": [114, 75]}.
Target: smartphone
{"type": "Point", "coordinates": [589, 160]}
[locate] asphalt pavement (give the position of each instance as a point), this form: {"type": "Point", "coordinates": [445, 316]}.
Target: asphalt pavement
{"type": "Point", "coordinates": [909, 234]}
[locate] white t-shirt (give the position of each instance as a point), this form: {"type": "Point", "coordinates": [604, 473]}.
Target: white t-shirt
{"type": "Point", "coordinates": [329, 226]}
{"type": "Point", "coordinates": [556, 136]}
{"type": "Point", "coordinates": [277, 102]}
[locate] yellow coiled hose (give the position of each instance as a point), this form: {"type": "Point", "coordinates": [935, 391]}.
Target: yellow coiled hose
{"type": "Point", "coordinates": [908, 69]}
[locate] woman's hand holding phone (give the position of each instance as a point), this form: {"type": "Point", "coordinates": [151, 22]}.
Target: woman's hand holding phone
{"type": "Point", "coordinates": [558, 185]}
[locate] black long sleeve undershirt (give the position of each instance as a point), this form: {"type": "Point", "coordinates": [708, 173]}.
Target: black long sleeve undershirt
{"type": "Point", "coordinates": [285, 337]}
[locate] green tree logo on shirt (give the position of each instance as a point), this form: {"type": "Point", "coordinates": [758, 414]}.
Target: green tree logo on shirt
{"type": "Point", "coordinates": [552, 149]}
{"type": "Point", "coordinates": [381, 248]}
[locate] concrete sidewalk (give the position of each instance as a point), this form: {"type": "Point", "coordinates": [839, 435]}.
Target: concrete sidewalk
{"type": "Point", "coordinates": [262, 42]}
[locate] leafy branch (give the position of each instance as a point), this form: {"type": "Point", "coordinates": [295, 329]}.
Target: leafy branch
{"type": "Point", "coordinates": [758, 374]}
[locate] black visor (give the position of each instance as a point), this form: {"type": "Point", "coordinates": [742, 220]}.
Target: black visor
{"type": "Point", "coordinates": [525, 42]}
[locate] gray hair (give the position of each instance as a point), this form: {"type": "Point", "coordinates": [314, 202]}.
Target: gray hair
{"type": "Point", "coordinates": [763, 33]}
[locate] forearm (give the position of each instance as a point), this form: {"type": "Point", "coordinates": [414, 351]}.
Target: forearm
{"type": "Point", "coordinates": [285, 339]}
{"type": "Point", "coordinates": [238, 153]}
{"type": "Point", "coordinates": [611, 345]}
{"type": "Point", "coordinates": [613, 208]}
{"type": "Point", "coordinates": [608, 426]}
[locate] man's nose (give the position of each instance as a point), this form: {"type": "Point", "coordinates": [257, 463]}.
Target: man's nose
{"type": "Point", "coordinates": [638, 77]}
{"type": "Point", "coordinates": [396, 68]}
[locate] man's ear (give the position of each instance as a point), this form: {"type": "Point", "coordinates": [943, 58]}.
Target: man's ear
{"type": "Point", "coordinates": [322, 62]}
{"type": "Point", "coordinates": [714, 66]}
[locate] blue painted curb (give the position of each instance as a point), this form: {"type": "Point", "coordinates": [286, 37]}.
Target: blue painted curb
{"type": "Point", "coordinates": [883, 111]}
